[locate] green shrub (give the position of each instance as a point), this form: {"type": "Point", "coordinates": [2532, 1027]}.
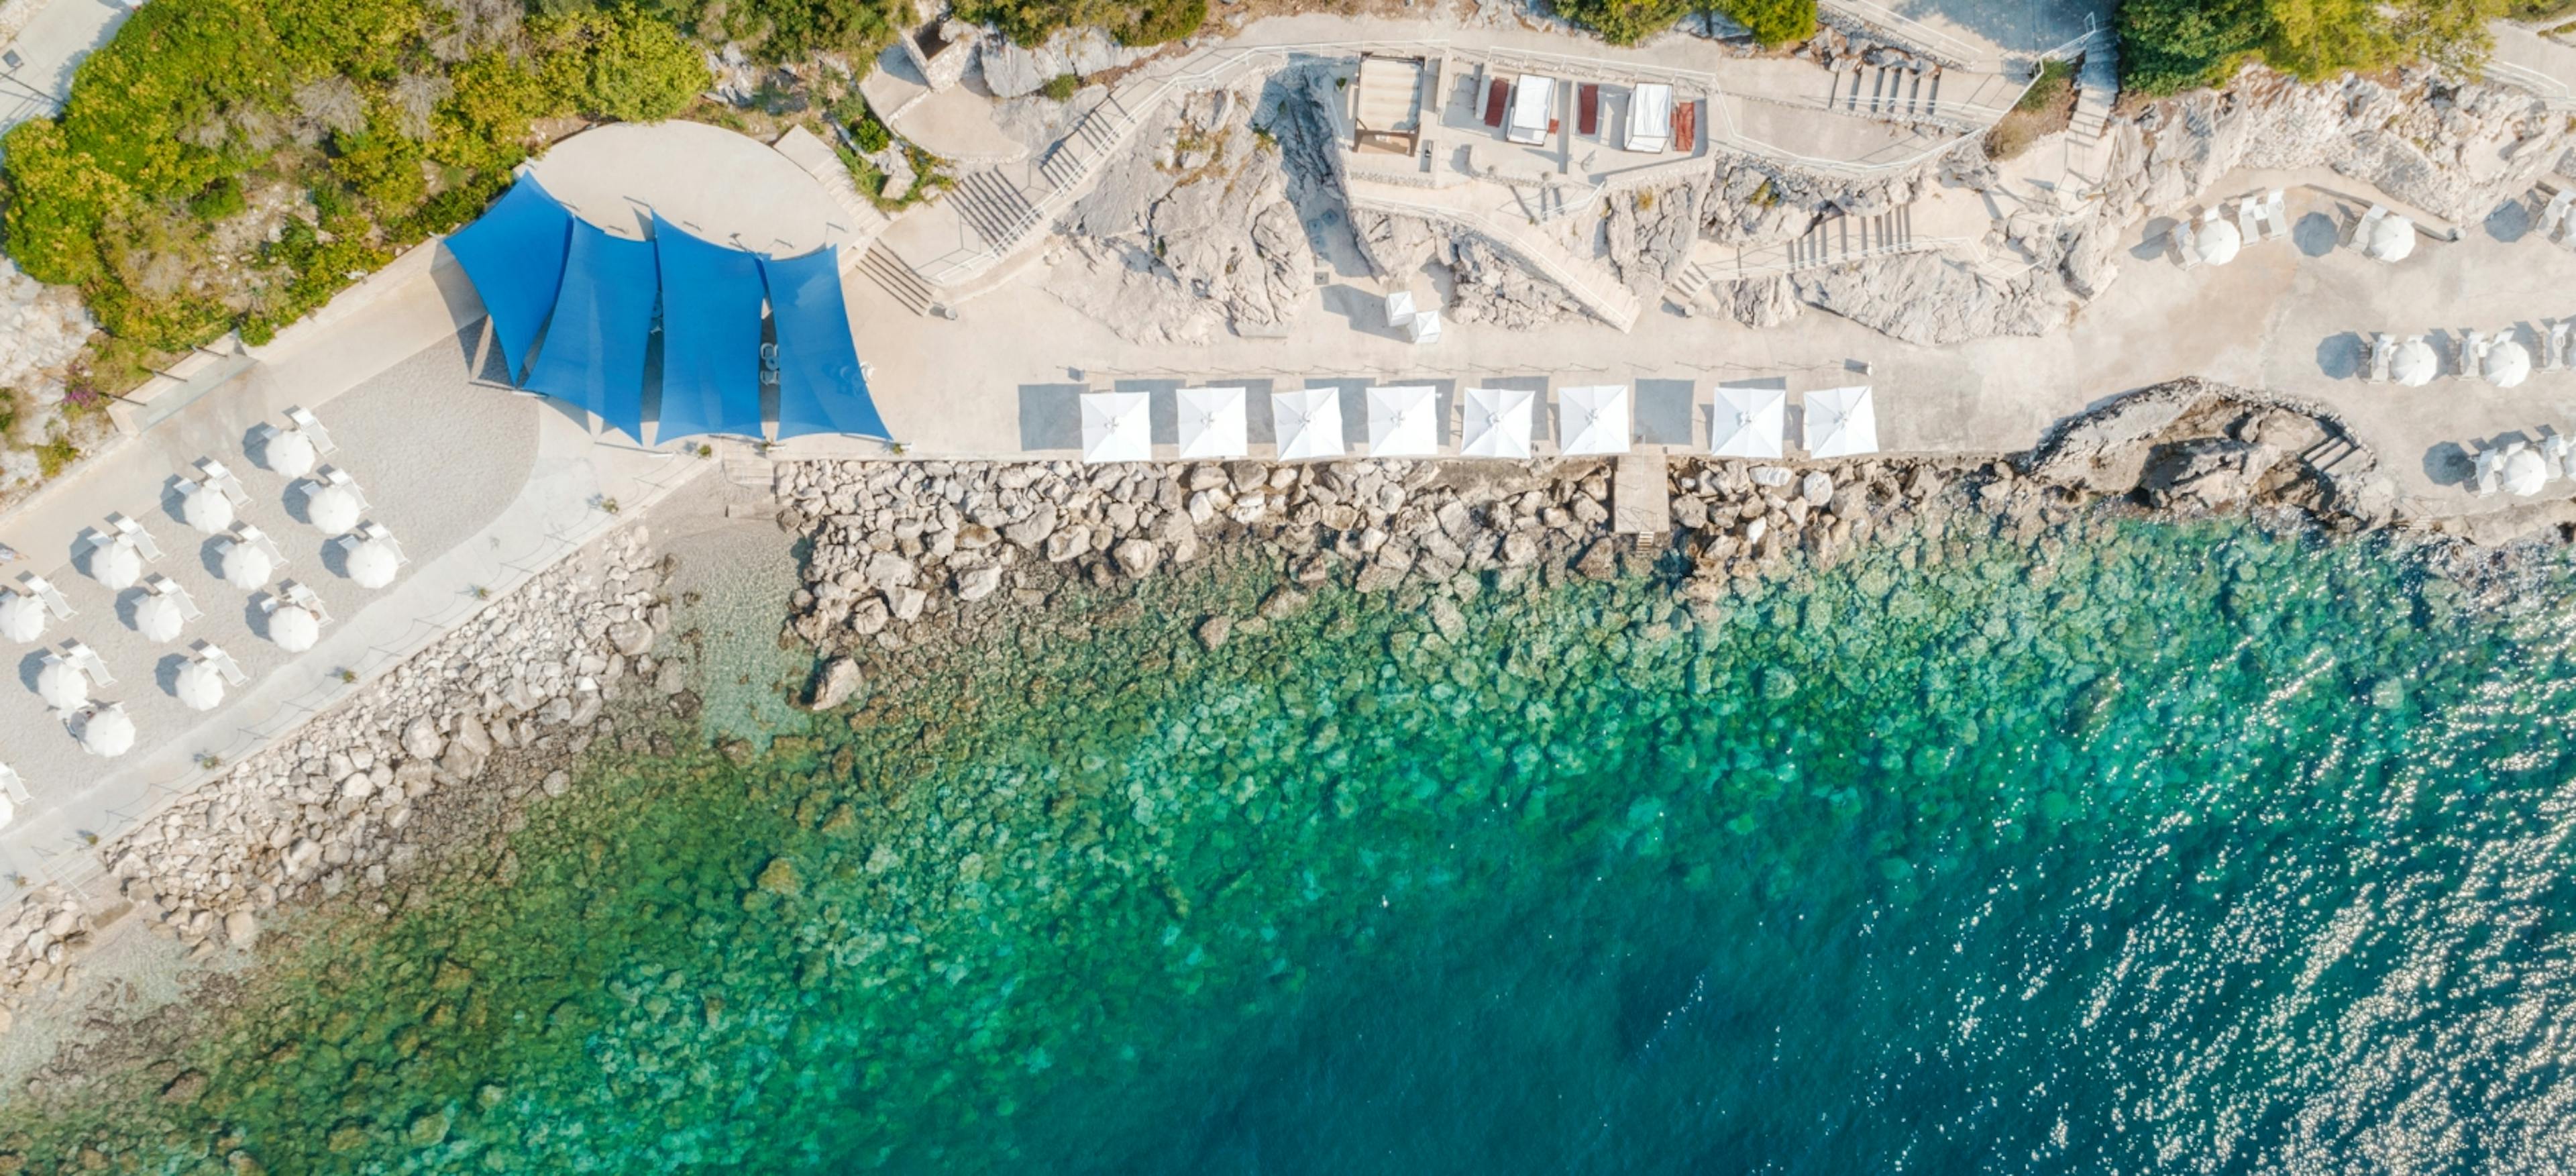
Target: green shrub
{"type": "Point", "coordinates": [1062, 87]}
{"type": "Point", "coordinates": [1624, 22]}
{"type": "Point", "coordinates": [2171, 45]}
{"type": "Point", "coordinates": [1158, 21]}
{"type": "Point", "coordinates": [1773, 22]}
{"type": "Point", "coordinates": [624, 65]}
{"type": "Point", "coordinates": [221, 199]}
{"type": "Point", "coordinates": [871, 135]}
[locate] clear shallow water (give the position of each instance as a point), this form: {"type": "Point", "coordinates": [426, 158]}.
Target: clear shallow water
{"type": "Point", "coordinates": [2152, 848]}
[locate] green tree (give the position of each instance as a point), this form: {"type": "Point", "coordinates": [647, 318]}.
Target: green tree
{"type": "Point", "coordinates": [1773, 22]}
{"type": "Point", "coordinates": [624, 65]}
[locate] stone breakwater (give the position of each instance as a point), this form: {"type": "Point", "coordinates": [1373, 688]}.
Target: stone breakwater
{"type": "Point", "coordinates": [335, 808]}
{"type": "Point", "coordinates": [897, 545]}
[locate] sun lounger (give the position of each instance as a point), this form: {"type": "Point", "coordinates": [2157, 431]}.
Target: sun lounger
{"type": "Point", "coordinates": [2370, 219]}
{"type": "Point", "coordinates": [219, 478]}
{"type": "Point", "coordinates": [2382, 349]}
{"type": "Point", "coordinates": [2186, 243]}
{"type": "Point", "coordinates": [311, 426]}
{"type": "Point", "coordinates": [335, 476]}
{"type": "Point", "coordinates": [45, 591]}
{"type": "Point", "coordinates": [86, 660]}
{"type": "Point", "coordinates": [165, 586]}
{"type": "Point", "coordinates": [298, 594]}
{"type": "Point", "coordinates": [133, 532]}
{"type": "Point", "coordinates": [253, 537]}
{"type": "Point", "coordinates": [213, 655]}
{"type": "Point", "coordinates": [2490, 465]}
{"type": "Point", "coordinates": [12, 785]}
{"type": "Point", "coordinates": [2276, 215]}
{"type": "Point", "coordinates": [378, 532]}
{"type": "Point", "coordinates": [2469, 355]}
{"type": "Point", "coordinates": [2553, 215]}
{"type": "Point", "coordinates": [2553, 347]}
{"type": "Point", "coordinates": [2555, 452]}
{"type": "Point", "coordinates": [1498, 100]}
{"type": "Point", "coordinates": [1587, 122]}
{"type": "Point", "coordinates": [2249, 221]}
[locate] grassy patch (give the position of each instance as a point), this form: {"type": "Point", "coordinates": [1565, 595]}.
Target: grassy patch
{"type": "Point", "coordinates": [1061, 87]}
{"type": "Point", "coordinates": [2044, 109]}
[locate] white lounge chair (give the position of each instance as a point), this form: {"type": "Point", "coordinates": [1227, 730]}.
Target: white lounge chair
{"type": "Point", "coordinates": [2185, 242]}
{"type": "Point", "coordinates": [219, 478]}
{"type": "Point", "coordinates": [45, 591]}
{"type": "Point", "coordinates": [214, 655]}
{"type": "Point", "coordinates": [165, 586]}
{"type": "Point", "coordinates": [2382, 349]}
{"type": "Point", "coordinates": [303, 597]}
{"type": "Point", "coordinates": [2276, 215]}
{"type": "Point", "coordinates": [2249, 221]}
{"type": "Point", "coordinates": [251, 536]}
{"type": "Point", "coordinates": [86, 660]}
{"type": "Point", "coordinates": [2553, 347]}
{"type": "Point", "coordinates": [12, 785]}
{"type": "Point", "coordinates": [2553, 215]}
{"type": "Point", "coordinates": [2490, 465]}
{"type": "Point", "coordinates": [2361, 228]}
{"type": "Point", "coordinates": [2469, 356]}
{"type": "Point", "coordinates": [311, 426]}
{"type": "Point", "coordinates": [377, 531]}
{"type": "Point", "coordinates": [335, 476]}
{"type": "Point", "coordinates": [133, 532]}
{"type": "Point", "coordinates": [2555, 455]}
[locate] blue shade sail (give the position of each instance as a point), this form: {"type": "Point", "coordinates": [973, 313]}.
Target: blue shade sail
{"type": "Point", "coordinates": [710, 336]}
{"type": "Point", "coordinates": [594, 355]}
{"type": "Point", "coordinates": [820, 387]}
{"type": "Point", "coordinates": [514, 255]}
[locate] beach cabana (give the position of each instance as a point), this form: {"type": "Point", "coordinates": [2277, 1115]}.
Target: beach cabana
{"type": "Point", "coordinates": [1841, 422]}
{"type": "Point", "coordinates": [1592, 420]}
{"type": "Point", "coordinates": [1401, 421]}
{"type": "Point", "coordinates": [1533, 110]}
{"type": "Point", "coordinates": [514, 256]}
{"type": "Point", "coordinates": [1749, 422]}
{"type": "Point", "coordinates": [1213, 423]}
{"type": "Point", "coordinates": [1650, 117]}
{"type": "Point", "coordinates": [104, 731]}
{"type": "Point", "coordinates": [2415, 363]}
{"type": "Point", "coordinates": [1499, 422]}
{"type": "Point", "coordinates": [199, 686]}
{"type": "Point", "coordinates": [1425, 327]}
{"type": "Point", "coordinates": [1308, 423]}
{"type": "Point", "coordinates": [2506, 363]}
{"type": "Point", "coordinates": [1399, 308]}
{"type": "Point", "coordinates": [203, 508]}
{"type": "Point", "coordinates": [22, 616]}
{"type": "Point", "coordinates": [822, 386]}
{"type": "Point", "coordinates": [1115, 427]}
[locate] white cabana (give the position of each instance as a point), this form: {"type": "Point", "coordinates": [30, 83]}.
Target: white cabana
{"type": "Point", "coordinates": [22, 616]}
{"type": "Point", "coordinates": [159, 618]}
{"type": "Point", "coordinates": [1401, 421]}
{"type": "Point", "coordinates": [1533, 111]}
{"type": "Point", "coordinates": [244, 565]}
{"type": "Point", "coordinates": [2524, 472]}
{"type": "Point", "coordinates": [1399, 308]}
{"type": "Point", "coordinates": [61, 685]}
{"type": "Point", "coordinates": [203, 508]}
{"type": "Point", "coordinates": [372, 563]}
{"type": "Point", "coordinates": [200, 686]}
{"type": "Point", "coordinates": [1841, 422]}
{"type": "Point", "coordinates": [116, 564]}
{"type": "Point", "coordinates": [2219, 242]}
{"type": "Point", "coordinates": [1115, 427]}
{"type": "Point", "coordinates": [1213, 423]}
{"type": "Point", "coordinates": [2507, 362]}
{"type": "Point", "coordinates": [1425, 327]}
{"type": "Point", "coordinates": [293, 628]}
{"type": "Point", "coordinates": [2389, 237]}
{"type": "Point", "coordinates": [288, 453]}
{"type": "Point", "coordinates": [1650, 117]}
{"type": "Point", "coordinates": [1308, 422]}
{"type": "Point", "coordinates": [1499, 422]}
{"type": "Point", "coordinates": [2415, 364]}
{"type": "Point", "coordinates": [1750, 422]}
{"type": "Point", "coordinates": [331, 507]}
{"type": "Point", "coordinates": [105, 731]}
{"type": "Point", "coordinates": [1592, 420]}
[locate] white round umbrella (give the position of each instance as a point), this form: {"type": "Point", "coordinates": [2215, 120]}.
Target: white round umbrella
{"type": "Point", "coordinates": [2415, 364]}
{"type": "Point", "coordinates": [292, 628]}
{"type": "Point", "coordinates": [2219, 242]}
{"type": "Point", "coordinates": [206, 510]}
{"type": "Point", "coordinates": [289, 453]}
{"type": "Point", "coordinates": [2391, 239]}
{"type": "Point", "coordinates": [61, 686]}
{"type": "Point", "coordinates": [200, 687]}
{"type": "Point", "coordinates": [2524, 473]}
{"type": "Point", "coordinates": [117, 565]}
{"type": "Point", "coordinates": [2508, 363]}
{"type": "Point", "coordinates": [371, 564]}
{"type": "Point", "coordinates": [107, 731]}
{"type": "Point", "coordinates": [245, 567]}
{"type": "Point", "coordinates": [158, 618]}
{"type": "Point", "coordinates": [22, 617]}
{"type": "Point", "coordinates": [332, 509]}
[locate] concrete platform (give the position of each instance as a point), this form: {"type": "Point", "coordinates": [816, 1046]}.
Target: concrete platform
{"type": "Point", "coordinates": [725, 187]}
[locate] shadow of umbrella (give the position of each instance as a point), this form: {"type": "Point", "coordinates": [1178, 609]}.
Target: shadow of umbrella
{"type": "Point", "coordinates": [2316, 234]}
{"type": "Point", "coordinates": [2340, 357]}
{"type": "Point", "coordinates": [2511, 221]}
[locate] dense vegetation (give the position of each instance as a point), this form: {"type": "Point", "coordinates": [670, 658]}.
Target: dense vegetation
{"type": "Point", "coordinates": [2170, 45]}
{"type": "Point", "coordinates": [1626, 22]}
{"type": "Point", "coordinates": [1136, 22]}
{"type": "Point", "coordinates": [232, 163]}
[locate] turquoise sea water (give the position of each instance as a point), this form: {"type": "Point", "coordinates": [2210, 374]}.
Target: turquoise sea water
{"type": "Point", "coordinates": [2146, 847]}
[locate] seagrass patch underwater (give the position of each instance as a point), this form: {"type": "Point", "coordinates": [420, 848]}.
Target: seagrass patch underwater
{"type": "Point", "coordinates": [2151, 846]}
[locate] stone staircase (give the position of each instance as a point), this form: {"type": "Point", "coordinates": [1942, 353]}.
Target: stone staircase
{"type": "Point", "coordinates": [895, 277]}
{"type": "Point", "coordinates": [2089, 141]}
{"type": "Point", "coordinates": [2336, 455]}
{"type": "Point", "coordinates": [1886, 91]}
{"type": "Point", "coordinates": [1003, 210]}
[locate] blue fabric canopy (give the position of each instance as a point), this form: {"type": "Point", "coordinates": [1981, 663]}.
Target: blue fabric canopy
{"type": "Point", "coordinates": [710, 336]}
{"type": "Point", "coordinates": [594, 355]}
{"type": "Point", "coordinates": [820, 387]}
{"type": "Point", "coordinates": [514, 255]}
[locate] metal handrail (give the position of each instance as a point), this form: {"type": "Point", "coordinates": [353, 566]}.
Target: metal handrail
{"type": "Point", "coordinates": [1771, 269]}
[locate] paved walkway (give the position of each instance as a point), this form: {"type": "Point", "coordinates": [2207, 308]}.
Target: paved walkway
{"type": "Point", "coordinates": [49, 47]}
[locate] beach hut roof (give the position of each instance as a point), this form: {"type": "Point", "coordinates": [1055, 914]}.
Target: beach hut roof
{"type": "Point", "coordinates": [1593, 420]}
{"type": "Point", "coordinates": [1841, 422]}
{"type": "Point", "coordinates": [1750, 422]}
{"type": "Point", "coordinates": [1213, 423]}
{"type": "Point", "coordinates": [1308, 422]}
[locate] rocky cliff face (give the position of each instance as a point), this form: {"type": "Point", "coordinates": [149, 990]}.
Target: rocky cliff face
{"type": "Point", "coordinates": [1192, 233]}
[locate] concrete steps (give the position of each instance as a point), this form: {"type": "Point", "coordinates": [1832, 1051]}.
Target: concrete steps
{"type": "Point", "coordinates": [1887, 91]}
{"type": "Point", "coordinates": [994, 207]}
{"type": "Point", "coordinates": [890, 273]}
{"type": "Point", "coordinates": [2335, 455]}
{"type": "Point", "coordinates": [2089, 142]}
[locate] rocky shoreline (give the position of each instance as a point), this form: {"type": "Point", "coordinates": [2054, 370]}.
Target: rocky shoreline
{"type": "Point", "coordinates": [448, 745]}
